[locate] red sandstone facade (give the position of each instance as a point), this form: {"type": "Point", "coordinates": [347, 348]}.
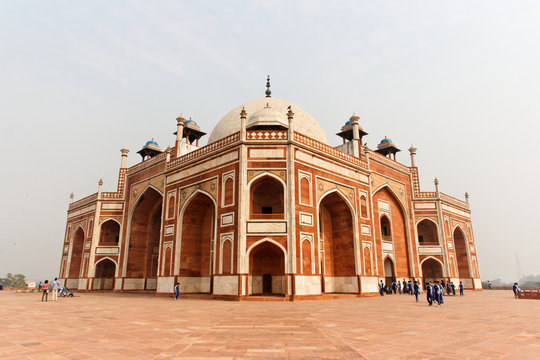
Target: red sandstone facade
{"type": "Point", "coordinates": [267, 209]}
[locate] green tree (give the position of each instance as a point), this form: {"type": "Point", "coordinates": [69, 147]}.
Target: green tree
{"type": "Point", "coordinates": [17, 280]}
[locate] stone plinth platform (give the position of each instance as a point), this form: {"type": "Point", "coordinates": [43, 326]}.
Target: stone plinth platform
{"type": "Point", "coordinates": [480, 325]}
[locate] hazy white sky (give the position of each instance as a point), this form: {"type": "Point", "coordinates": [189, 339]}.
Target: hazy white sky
{"type": "Point", "coordinates": [460, 80]}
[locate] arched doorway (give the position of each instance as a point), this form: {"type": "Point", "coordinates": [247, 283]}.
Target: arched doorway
{"type": "Point", "coordinates": [389, 274]}
{"type": "Point", "coordinates": [267, 199]}
{"type": "Point", "coordinates": [460, 244]}
{"type": "Point", "coordinates": [76, 254]}
{"type": "Point", "coordinates": [143, 252]}
{"type": "Point", "coordinates": [109, 234]}
{"type": "Point", "coordinates": [266, 269]}
{"type": "Point", "coordinates": [196, 249]}
{"type": "Point", "coordinates": [336, 231]}
{"type": "Point", "coordinates": [104, 278]}
{"type": "Point", "coordinates": [427, 233]}
{"type": "Point", "coordinates": [432, 270]}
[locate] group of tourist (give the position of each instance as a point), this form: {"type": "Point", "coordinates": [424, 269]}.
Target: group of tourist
{"type": "Point", "coordinates": [54, 287]}
{"type": "Point", "coordinates": [434, 290]}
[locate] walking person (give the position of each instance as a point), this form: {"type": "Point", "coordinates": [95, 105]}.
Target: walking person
{"type": "Point", "coordinates": [399, 287]}
{"type": "Point", "coordinates": [436, 292]}
{"type": "Point", "coordinates": [429, 293]}
{"type": "Point", "coordinates": [416, 290]}
{"type": "Point", "coordinates": [394, 287]}
{"type": "Point", "coordinates": [516, 290]}
{"type": "Point", "coordinates": [55, 285]}
{"type": "Point", "coordinates": [176, 291]}
{"type": "Point", "coordinates": [40, 286]}
{"type": "Point", "coordinates": [45, 290]}
{"type": "Point", "coordinates": [441, 293]}
{"type": "Point", "coordinates": [453, 289]}
{"type": "Point", "coordinates": [381, 288]}
{"type": "Point", "coordinates": [460, 288]}
{"type": "Point", "coordinates": [410, 288]}
{"type": "Point", "coordinates": [405, 287]}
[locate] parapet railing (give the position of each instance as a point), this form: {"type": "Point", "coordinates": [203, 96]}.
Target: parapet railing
{"type": "Point", "coordinates": [82, 202]}
{"type": "Point", "coordinates": [454, 201]}
{"type": "Point", "coordinates": [392, 163]}
{"type": "Point", "coordinates": [529, 294]}
{"type": "Point", "coordinates": [317, 145]}
{"type": "Point", "coordinates": [148, 163]}
{"type": "Point", "coordinates": [231, 139]}
{"type": "Point", "coordinates": [267, 135]}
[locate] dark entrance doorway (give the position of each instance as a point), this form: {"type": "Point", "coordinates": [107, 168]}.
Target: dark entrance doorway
{"type": "Point", "coordinates": [267, 283]}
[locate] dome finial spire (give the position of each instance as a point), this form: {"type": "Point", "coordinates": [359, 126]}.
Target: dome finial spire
{"type": "Point", "coordinates": [268, 92]}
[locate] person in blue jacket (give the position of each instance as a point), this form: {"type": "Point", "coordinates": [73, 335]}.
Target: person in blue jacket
{"type": "Point", "coordinates": [453, 288]}
{"type": "Point", "coordinates": [381, 288]}
{"type": "Point", "coordinates": [460, 288]}
{"type": "Point", "coordinates": [429, 293]}
{"type": "Point", "coordinates": [441, 293]}
{"type": "Point", "coordinates": [416, 290]}
{"type": "Point", "coordinates": [399, 287]}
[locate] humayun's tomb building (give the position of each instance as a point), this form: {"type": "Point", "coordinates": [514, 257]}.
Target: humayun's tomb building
{"type": "Point", "coordinates": [267, 208]}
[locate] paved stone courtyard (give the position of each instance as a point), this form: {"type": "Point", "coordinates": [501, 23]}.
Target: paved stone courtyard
{"type": "Point", "coordinates": [489, 324]}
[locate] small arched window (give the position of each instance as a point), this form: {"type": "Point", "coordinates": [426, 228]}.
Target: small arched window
{"type": "Point", "coordinates": [386, 229]}
{"type": "Point", "coordinates": [304, 191]}
{"type": "Point", "coordinates": [363, 206]}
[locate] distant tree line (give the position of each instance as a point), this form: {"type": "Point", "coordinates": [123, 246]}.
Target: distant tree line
{"type": "Point", "coordinates": [525, 281]}
{"type": "Point", "coordinates": [16, 281]}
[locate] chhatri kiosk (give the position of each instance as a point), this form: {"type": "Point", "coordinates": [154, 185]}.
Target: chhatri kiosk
{"type": "Point", "coordinates": [267, 208]}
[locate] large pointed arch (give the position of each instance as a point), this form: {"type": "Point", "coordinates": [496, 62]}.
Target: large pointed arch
{"type": "Point", "coordinates": [267, 266]}
{"type": "Point", "coordinates": [406, 255]}
{"type": "Point", "coordinates": [195, 255]}
{"type": "Point", "coordinates": [141, 254]}
{"type": "Point", "coordinates": [179, 227]}
{"type": "Point", "coordinates": [337, 227]}
{"type": "Point", "coordinates": [105, 271]}
{"type": "Point", "coordinates": [462, 253]}
{"type": "Point", "coordinates": [267, 202]}
{"type": "Point", "coordinates": [76, 252]}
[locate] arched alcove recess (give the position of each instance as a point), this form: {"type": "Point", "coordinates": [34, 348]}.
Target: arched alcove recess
{"type": "Point", "coordinates": [267, 269]}
{"type": "Point", "coordinates": [367, 261]}
{"type": "Point", "coordinates": [228, 189]}
{"type": "Point", "coordinates": [461, 253]}
{"type": "Point", "coordinates": [363, 207]}
{"type": "Point", "coordinates": [109, 233]}
{"type": "Point", "coordinates": [386, 228]}
{"type": "Point", "coordinates": [104, 278]}
{"type": "Point", "coordinates": [76, 254]}
{"type": "Point", "coordinates": [267, 199]}
{"type": "Point", "coordinates": [226, 257]}
{"type": "Point", "coordinates": [398, 231]}
{"type": "Point", "coordinates": [167, 263]}
{"type": "Point", "coordinates": [144, 238]}
{"type": "Point", "coordinates": [171, 207]}
{"type": "Point", "coordinates": [197, 234]}
{"type": "Point", "coordinates": [337, 231]}
{"type": "Point", "coordinates": [305, 197]}
{"type": "Point", "coordinates": [306, 257]}
{"type": "Point", "coordinates": [427, 233]}
{"type": "Point", "coordinates": [389, 273]}
{"type": "Point", "coordinates": [432, 270]}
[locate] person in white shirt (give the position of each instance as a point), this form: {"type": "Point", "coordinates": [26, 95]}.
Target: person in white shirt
{"type": "Point", "coordinates": [55, 285]}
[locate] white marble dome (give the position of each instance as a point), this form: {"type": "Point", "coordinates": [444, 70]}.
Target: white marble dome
{"type": "Point", "coordinates": [276, 110]}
